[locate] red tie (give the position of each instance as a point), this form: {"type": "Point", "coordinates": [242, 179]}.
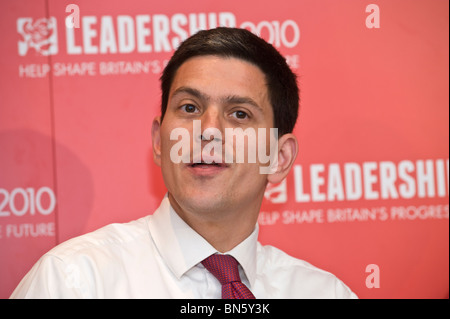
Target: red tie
{"type": "Point", "coordinates": [225, 269]}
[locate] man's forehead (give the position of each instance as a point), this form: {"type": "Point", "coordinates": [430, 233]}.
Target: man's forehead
{"type": "Point", "coordinates": [221, 78]}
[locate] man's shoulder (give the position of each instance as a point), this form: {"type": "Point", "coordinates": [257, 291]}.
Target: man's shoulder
{"type": "Point", "coordinates": [280, 262]}
{"type": "Point", "coordinates": [304, 279]}
{"type": "Point", "coordinates": [82, 267]}
{"type": "Point", "coordinates": [113, 236]}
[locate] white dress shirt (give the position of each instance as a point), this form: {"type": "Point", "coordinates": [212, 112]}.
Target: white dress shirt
{"type": "Point", "coordinates": [159, 256]}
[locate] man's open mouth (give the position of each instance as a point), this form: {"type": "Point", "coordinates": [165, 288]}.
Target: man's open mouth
{"type": "Point", "coordinates": [206, 165]}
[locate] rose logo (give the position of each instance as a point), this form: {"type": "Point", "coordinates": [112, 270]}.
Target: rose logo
{"type": "Point", "coordinates": [40, 35]}
{"type": "Point", "coordinates": [276, 194]}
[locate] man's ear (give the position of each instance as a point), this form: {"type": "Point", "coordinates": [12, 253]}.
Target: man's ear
{"type": "Point", "coordinates": [156, 140]}
{"type": "Point", "coordinates": [287, 153]}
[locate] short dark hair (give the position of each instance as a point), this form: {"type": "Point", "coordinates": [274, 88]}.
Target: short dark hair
{"type": "Point", "coordinates": [242, 44]}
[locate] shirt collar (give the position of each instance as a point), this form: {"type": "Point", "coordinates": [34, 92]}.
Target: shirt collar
{"type": "Point", "coordinates": [182, 248]}
{"type": "Point", "coordinates": [245, 254]}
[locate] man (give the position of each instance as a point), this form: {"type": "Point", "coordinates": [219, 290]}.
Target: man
{"type": "Point", "coordinates": [202, 240]}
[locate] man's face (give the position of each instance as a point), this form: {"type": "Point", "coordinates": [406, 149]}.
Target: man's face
{"type": "Point", "coordinates": [221, 93]}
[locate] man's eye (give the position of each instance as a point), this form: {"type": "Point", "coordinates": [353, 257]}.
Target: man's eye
{"type": "Point", "coordinates": [240, 115]}
{"type": "Point", "coordinates": [189, 108]}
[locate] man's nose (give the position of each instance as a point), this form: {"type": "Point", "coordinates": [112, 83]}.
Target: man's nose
{"type": "Point", "coordinates": [211, 125]}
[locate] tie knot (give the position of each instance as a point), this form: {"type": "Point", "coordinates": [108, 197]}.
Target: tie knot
{"type": "Point", "coordinates": [223, 267]}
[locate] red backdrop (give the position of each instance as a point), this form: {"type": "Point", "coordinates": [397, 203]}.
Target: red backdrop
{"type": "Point", "coordinates": [368, 198]}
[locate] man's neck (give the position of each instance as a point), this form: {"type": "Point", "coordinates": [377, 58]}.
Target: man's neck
{"type": "Point", "coordinates": [223, 230]}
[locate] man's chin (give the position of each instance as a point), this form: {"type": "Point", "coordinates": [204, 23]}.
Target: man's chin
{"type": "Point", "coordinates": [200, 201]}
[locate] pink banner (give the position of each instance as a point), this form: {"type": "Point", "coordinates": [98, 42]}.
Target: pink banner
{"type": "Point", "coordinates": [368, 196]}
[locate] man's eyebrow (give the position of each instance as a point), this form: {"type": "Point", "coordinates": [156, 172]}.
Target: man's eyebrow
{"type": "Point", "coordinates": [191, 91]}
{"type": "Point", "coordinates": [235, 99]}
{"type": "Point", "coordinates": [231, 99]}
